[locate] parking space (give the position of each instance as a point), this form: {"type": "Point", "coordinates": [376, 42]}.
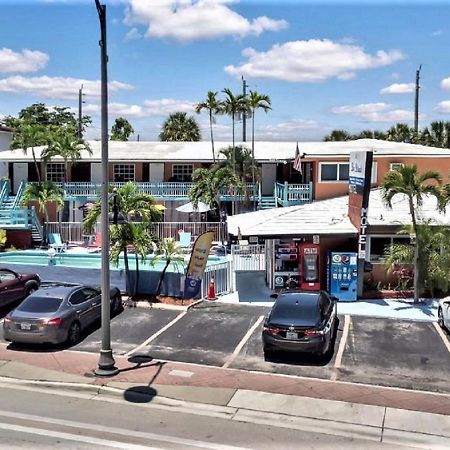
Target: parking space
{"type": "Point", "coordinates": [395, 353]}
{"type": "Point", "coordinates": [207, 334]}
{"type": "Point", "coordinates": [129, 329]}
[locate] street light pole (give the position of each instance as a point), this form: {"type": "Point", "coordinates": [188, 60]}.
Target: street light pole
{"type": "Point", "coordinates": [106, 361]}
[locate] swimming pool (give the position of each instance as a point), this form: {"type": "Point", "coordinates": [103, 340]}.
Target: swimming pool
{"type": "Point", "coordinates": [89, 261]}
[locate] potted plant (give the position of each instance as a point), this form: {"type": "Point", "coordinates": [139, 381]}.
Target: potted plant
{"type": "Point", "coordinates": [3, 239]}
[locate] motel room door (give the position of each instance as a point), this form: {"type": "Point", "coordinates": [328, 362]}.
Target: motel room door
{"type": "Point", "coordinates": [20, 173]}
{"type": "Point", "coordinates": [268, 177]}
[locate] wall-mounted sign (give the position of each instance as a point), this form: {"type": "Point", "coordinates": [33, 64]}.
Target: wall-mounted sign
{"type": "Point", "coordinates": [316, 239]}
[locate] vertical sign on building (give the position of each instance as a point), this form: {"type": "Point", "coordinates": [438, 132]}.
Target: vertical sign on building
{"type": "Point", "coordinates": [360, 174]}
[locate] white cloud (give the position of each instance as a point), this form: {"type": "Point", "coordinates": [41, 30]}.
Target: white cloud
{"type": "Point", "coordinates": [25, 61]}
{"type": "Point", "coordinates": [443, 107]}
{"type": "Point", "coordinates": [189, 20]}
{"type": "Point", "coordinates": [162, 107]}
{"type": "Point", "coordinates": [445, 84]}
{"type": "Point", "coordinates": [57, 87]}
{"type": "Point", "coordinates": [437, 33]}
{"type": "Point", "coordinates": [399, 88]}
{"type": "Point", "coordinates": [375, 112]}
{"type": "Point", "coordinates": [292, 129]}
{"type": "Point", "coordinates": [311, 61]}
{"type": "Point", "coordinates": [133, 35]}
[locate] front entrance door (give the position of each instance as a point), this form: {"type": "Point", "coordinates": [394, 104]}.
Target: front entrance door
{"type": "Point", "coordinates": [268, 177]}
{"type": "Point", "coordinates": [20, 171]}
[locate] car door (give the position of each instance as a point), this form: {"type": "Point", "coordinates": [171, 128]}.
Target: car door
{"type": "Point", "coordinates": [94, 298]}
{"type": "Point", "coordinates": [11, 288]}
{"type": "Point", "coordinates": [82, 307]}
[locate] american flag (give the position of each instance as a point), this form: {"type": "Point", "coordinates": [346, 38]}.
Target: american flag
{"type": "Point", "coordinates": [298, 160]}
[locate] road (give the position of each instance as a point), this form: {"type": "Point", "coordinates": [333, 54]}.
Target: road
{"type": "Point", "coordinates": [38, 418]}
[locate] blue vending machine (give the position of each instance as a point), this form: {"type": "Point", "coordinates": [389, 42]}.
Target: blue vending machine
{"type": "Point", "coordinates": [342, 273]}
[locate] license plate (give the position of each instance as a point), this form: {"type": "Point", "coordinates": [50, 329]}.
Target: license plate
{"type": "Point", "coordinates": [25, 326]}
{"type": "Point", "coordinates": [291, 335]}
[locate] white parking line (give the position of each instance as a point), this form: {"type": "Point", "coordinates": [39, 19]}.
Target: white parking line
{"type": "Point", "coordinates": [442, 335]}
{"type": "Point", "coordinates": [155, 335]}
{"type": "Point", "coordinates": [243, 341]}
{"type": "Point", "coordinates": [340, 352]}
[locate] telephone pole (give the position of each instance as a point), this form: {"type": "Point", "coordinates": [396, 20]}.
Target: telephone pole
{"type": "Point", "coordinates": [244, 114]}
{"type": "Point", "coordinates": [80, 112]}
{"type": "Point", "coordinates": [416, 102]}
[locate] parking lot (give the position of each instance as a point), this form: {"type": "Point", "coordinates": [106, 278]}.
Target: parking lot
{"type": "Point", "coordinates": [367, 350]}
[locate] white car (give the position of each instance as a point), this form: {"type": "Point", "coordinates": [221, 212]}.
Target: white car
{"type": "Point", "coordinates": [444, 313]}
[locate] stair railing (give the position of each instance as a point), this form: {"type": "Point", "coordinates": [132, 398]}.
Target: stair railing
{"type": "Point", "coordinates": [4, 192]}
{"type": "Point", "coordinates": [19, 194]}
{"type": "Point", "coordinates": [35, 223]}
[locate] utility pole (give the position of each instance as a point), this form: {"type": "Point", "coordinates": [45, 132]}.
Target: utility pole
{"type": "Point", "coordinates": [416, 102]}
{"type": "Point", "coordinates": [106, 363]}
{"type": "Point", "coordinates": [80, 112]}
{"type": "Point", "coordinates": [244, 114]}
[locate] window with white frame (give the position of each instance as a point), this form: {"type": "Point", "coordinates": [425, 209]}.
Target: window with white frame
{"type": "Point", "coordinates": [123, 172]}
{"type": "Point", "coordinates": [395, 166]}
{"type": "Point", "coordinates": [377, 245]}
{"type": "Point", "coordinates": [182, 172]}
{"type": "Point", "coordinates": [55, 172]}
{"type": "Point", "coordinates": [333, 171]}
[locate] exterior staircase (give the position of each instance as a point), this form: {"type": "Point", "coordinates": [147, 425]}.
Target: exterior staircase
{"type": "Point", "coordinates": [267, 202]}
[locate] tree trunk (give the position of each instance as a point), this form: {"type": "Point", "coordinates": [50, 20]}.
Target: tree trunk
{"type": "Point", "coordinates": [161, 278]}
{"type": "Point", "coordinates": [253, 157]}
{"type": "Point", "coordinates": [212, 136]}
{"type": "Point", "coordinates": [416, 251]}
{"type": "Point", "coordinates": [127, 266]}
{"type": "Point", "coordinates": [38, 172]}
{"type": "Point", "coordinates": [136, 280]}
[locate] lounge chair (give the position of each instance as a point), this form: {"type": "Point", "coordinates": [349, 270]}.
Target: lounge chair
{"type": "Point", "coordinates": [55, 241]}
{"type": "Point", "coordinates": [185, 239]}
{"type": "Point", "coordinates": [97, 241]}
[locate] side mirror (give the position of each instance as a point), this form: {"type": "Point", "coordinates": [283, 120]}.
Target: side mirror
{"type": "Point", "coordinates": [274, 295]}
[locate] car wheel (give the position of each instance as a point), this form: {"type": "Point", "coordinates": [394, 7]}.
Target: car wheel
{"type": "Point", "coordinates": [440, 318]}
{"type": "Point", "coordinates": [74, 333]}
{"type": "Point", "coordinates": [116, 304]}
{"type": "Point", "coordinates": [30, 289]}
{"type": "Point", "coordinates": [268, 353]}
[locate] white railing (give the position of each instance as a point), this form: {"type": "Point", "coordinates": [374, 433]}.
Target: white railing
{"type": "Point", "coordinates": [248, 257]}
{"type": "Point", "coordinates": [222, 279]}
{"type": "Point", "coordinates": [70, 231]}
{"type": "Point", "coordinates": [163, 230]}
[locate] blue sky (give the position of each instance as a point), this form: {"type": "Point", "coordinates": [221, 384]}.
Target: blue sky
{"type": "Point", "coordinates": [325, 65]}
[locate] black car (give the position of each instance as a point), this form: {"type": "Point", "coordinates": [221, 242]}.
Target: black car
{"type": "Point", "coordinates": [301, 321]}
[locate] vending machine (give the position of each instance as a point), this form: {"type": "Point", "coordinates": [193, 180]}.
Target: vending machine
{"type": "Point", "coordinates": [342, 275]}
{"type": "Point", "coordinates": [309, 266]}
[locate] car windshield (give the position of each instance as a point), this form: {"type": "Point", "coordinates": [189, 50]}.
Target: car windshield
{"type": "Point", "coordinates": [40, 304]}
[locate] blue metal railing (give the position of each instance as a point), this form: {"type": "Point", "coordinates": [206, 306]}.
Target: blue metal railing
{"type": "Point", "coordinates": [293, 194]}
{"type": "Point", "coordinates": [35, 223]}
{"type": "Point", "coordinates": [4, 191]}
{"type": "Point", "coordinates": [20, 191]}
{"type": "Point", "coordinates": [16, 218]}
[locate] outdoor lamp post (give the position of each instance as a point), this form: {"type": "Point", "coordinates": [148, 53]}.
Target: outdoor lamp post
{"type": "Point", "coordinates": [106, 363]}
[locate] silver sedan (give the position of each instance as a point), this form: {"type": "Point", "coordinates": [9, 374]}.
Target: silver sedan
{"type": "Point", "coordinates": [57, 314]}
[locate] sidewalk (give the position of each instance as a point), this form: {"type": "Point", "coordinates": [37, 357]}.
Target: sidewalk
{"type": "Point", "coordinates": [381, 414]}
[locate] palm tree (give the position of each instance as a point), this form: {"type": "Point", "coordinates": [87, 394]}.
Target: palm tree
{"type": "Point", "coordinates": [180, 127]}
{"type": "Point", "coordinates": [64, 143]}
{"type": "Point", "coordinates": [401, 132]}
{"type": "Point", "coordinates": [234, 105]}
{"type": "Point", "coordinates": [43, 193]}
{"type": "Point", "coordinates": [30, 135]}
{"type": "Point", "coordinates": [136, 206]}
{"type": "Point", "coordinates": [339, 135]}
{"type": "Point", "coordinates": [256, 101]}
{"type": "Point", "coordinates": [406, 180]}
{"type": "Point", "coordinates": [121, 130]}
{"type": "Point", "coordinates": [245, 166]}
{"type": "Point", "coordinates": [213, 106]}
{"type": "Point", "coordinates": [437, 135]}
{"type": "Point", "coordinates": [171, 253]}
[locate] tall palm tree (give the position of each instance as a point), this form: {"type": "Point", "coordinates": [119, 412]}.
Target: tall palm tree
{"type": "Point", "coordinates": [407, 181]}
{"type": "Point", "coordinates": [339, 135]}
{"type": "Point", "coordinates": [257, 101]}
{"type": "Point", "coordinates": [136, 206]}
{"type": "Point", "coordinates": [213, 106]}
{"type": "Point", "coordinates": [171, 253]}
{"type": "Point", "coordinates": [64, 143]}
{"type": "Point", "coordinates": [43, 193]}
{"type": "Point", "coordinates": [180, 127]}
{"type": "Point", "coordinates": [28, 136]}
{"type": "Point", "coordinates": [401, 132]}
{"type": "Point", "coordinates": [234, 105]}
{"type": "Point", "coordinates": [437, 135]}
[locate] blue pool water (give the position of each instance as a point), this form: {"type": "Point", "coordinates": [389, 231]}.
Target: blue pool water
{"type": "Point", "coordinates": [88, 261]}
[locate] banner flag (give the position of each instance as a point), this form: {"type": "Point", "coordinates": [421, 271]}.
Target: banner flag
{"type": "Point", "coordinates": [197, 264]}
{"type": "Point", "coordinates": [298, 160]}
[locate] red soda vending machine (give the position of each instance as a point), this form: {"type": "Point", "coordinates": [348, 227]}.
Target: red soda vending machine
{"type": "Point", "coordinates": [309, 266]}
